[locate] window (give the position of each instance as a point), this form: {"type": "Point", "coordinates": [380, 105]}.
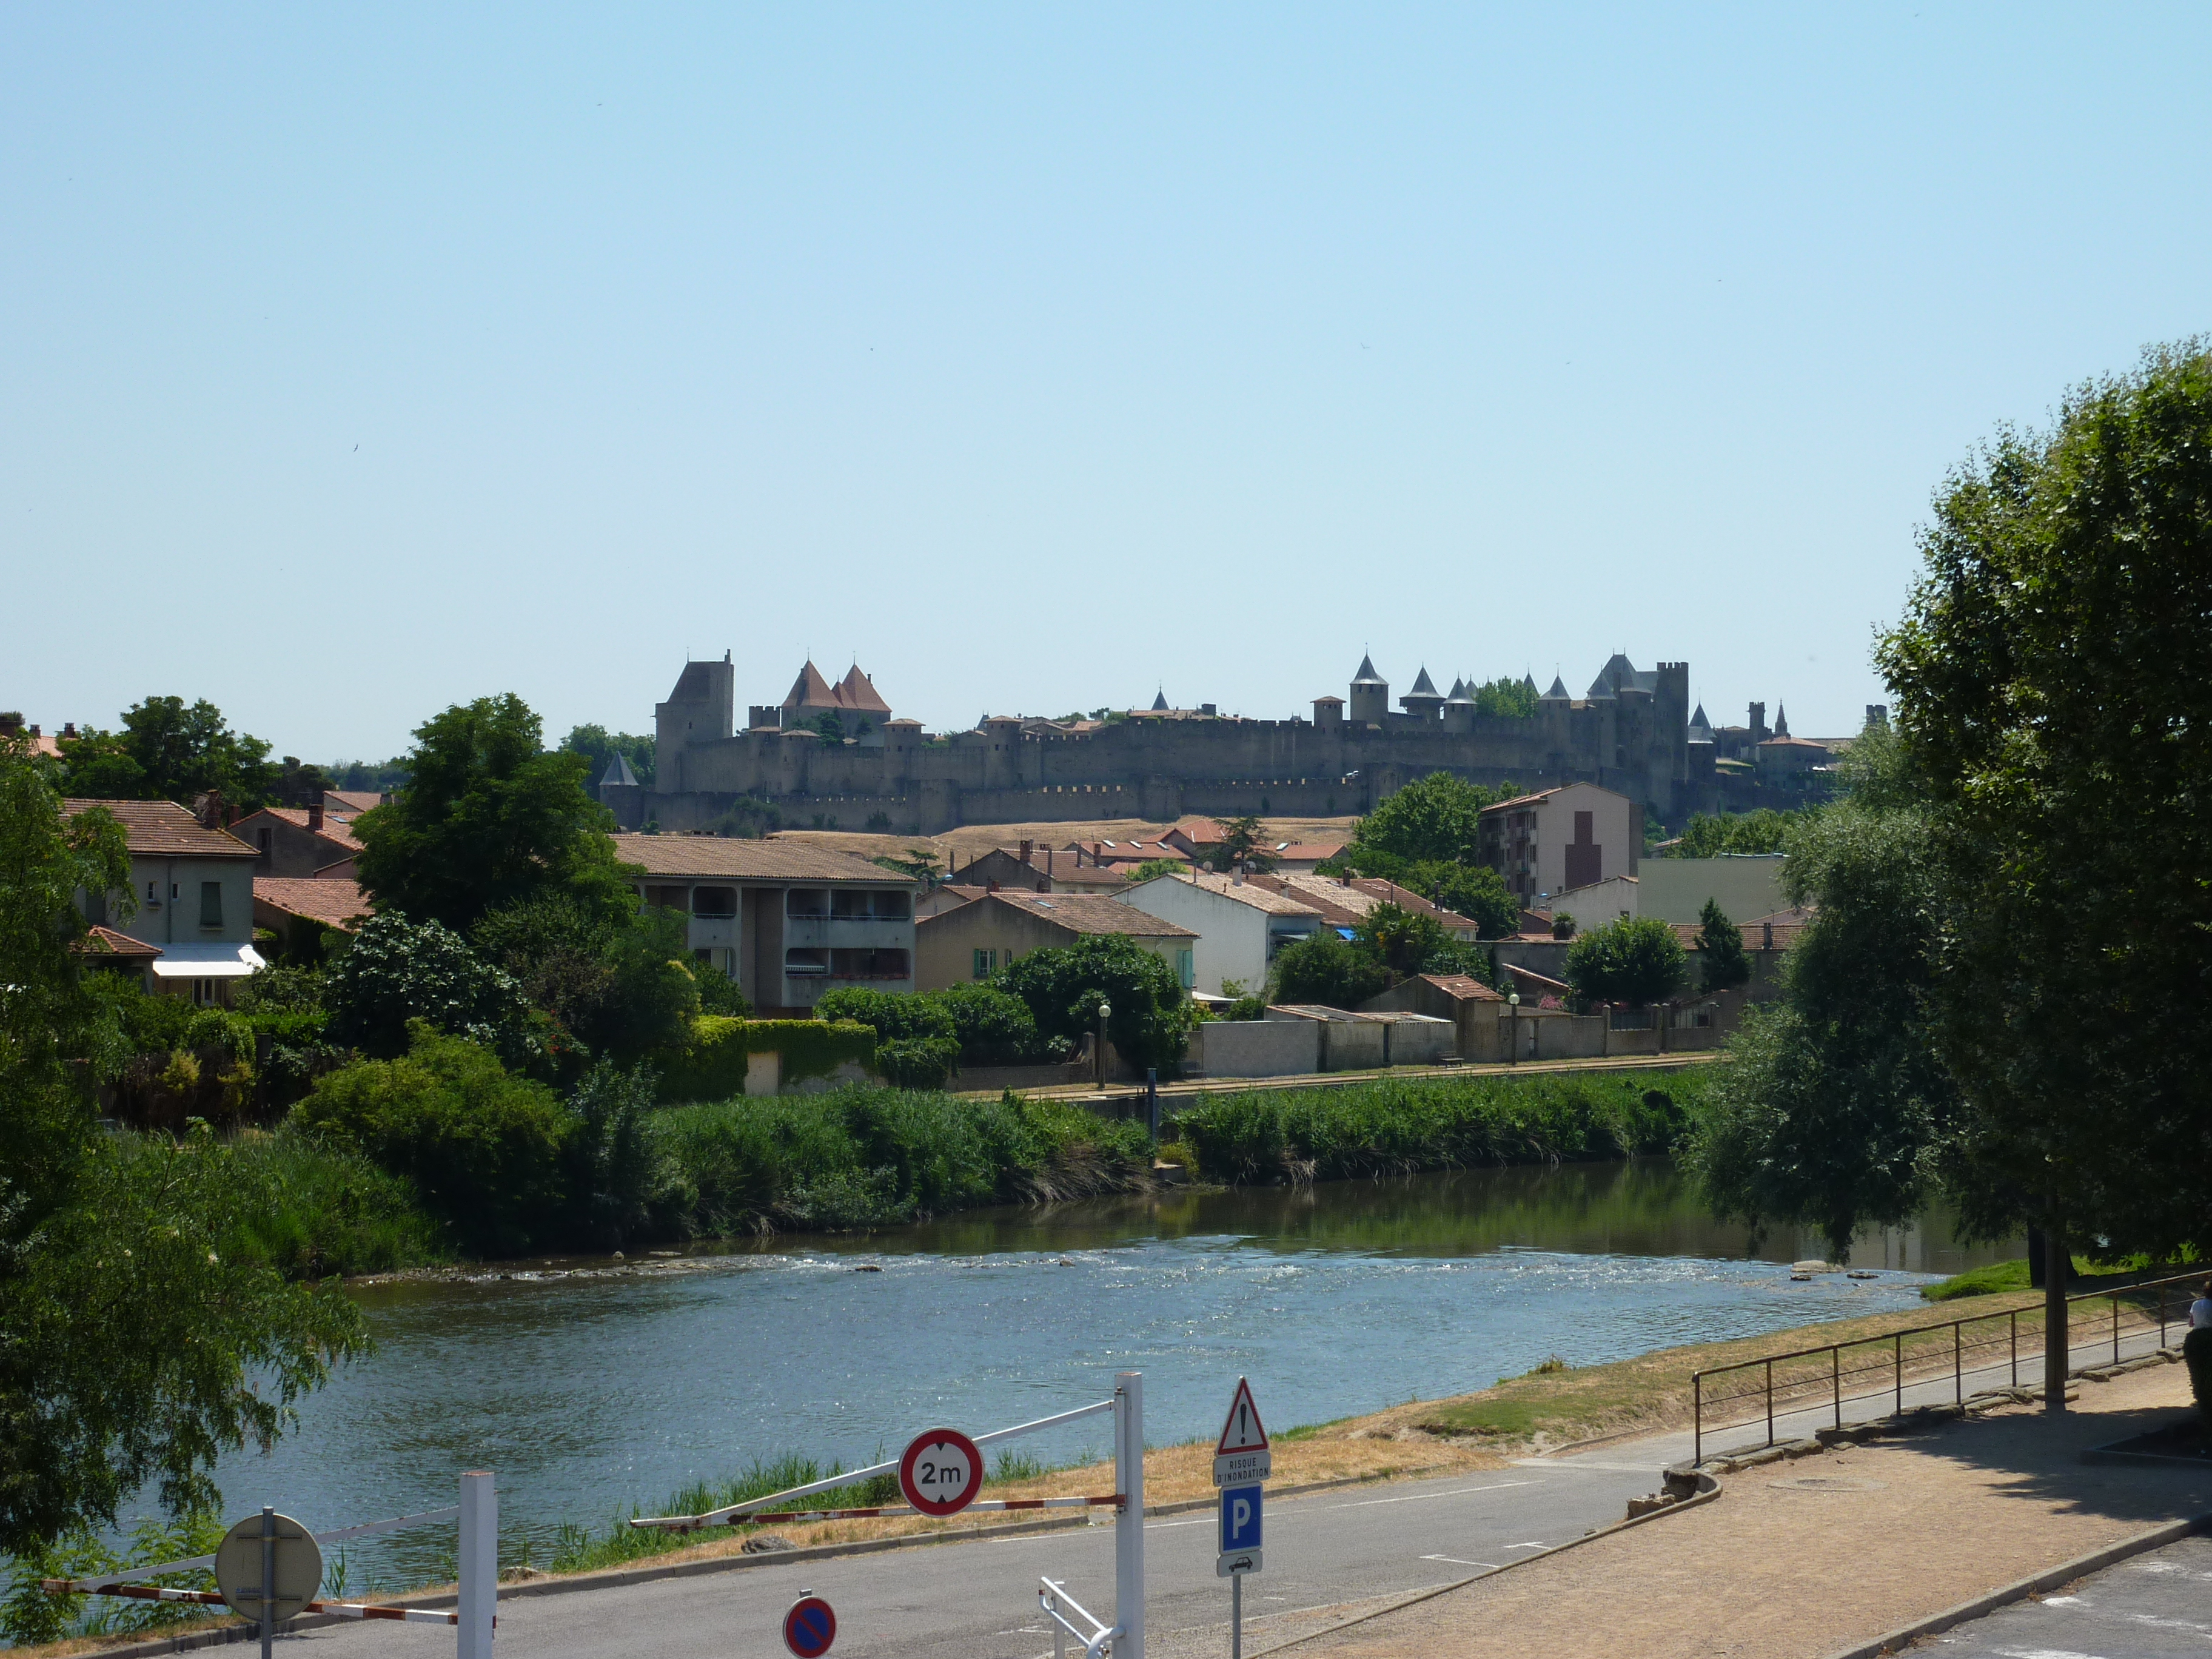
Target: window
{"type": "Point", "coordinates": [210, 904]}
{"type": "Point", "coordinates": [846, 906]}
{"type": "Point", "coordinates": [986, 964]}
{"type": "Point", "coordinates": [804, 963]}
{"type": "Point", "coordinates": [806, 903]}
{"type": "Point", "coordinates": [868, 965]}
{"type": "Point", "coordinates": [718, 902]}
{"type": "Point", "coordinates": [668, 898]}
{"type": "Point", "coordinates": [891, 905]}
{"type": "Point", "coordinates": [205, 994]}
{"type": "Point", "coordinates": [1184, 976]}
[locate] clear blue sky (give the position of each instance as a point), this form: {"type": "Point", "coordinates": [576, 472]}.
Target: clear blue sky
{"type": "Point", "coordinates": [360, 361]}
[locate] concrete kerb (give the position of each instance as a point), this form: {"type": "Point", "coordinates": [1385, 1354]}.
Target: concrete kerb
{"type": "Point", "coordinates": [1707, 1490]}
{"type": "Point", "coordinates": [221, 1635]}
{"type": "Point", "coordinates": [2051, 1578]}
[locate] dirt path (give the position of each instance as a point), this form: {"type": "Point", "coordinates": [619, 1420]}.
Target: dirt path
{"type": "Point", "coordinates": [1802, 1559]}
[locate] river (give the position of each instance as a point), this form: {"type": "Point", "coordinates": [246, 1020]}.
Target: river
{"type": "Point", "coordinates": [591, 1386]}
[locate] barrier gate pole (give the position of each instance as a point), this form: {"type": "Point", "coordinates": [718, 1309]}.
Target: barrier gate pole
{"type": "Point", "coordinates": [479, 1566]}
{"type": "Point", "coordinates": [268, 1580]}
{"type": "Point", "coordinates": [1129, 1524]}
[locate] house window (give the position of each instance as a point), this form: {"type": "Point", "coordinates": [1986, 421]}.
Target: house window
{"type": "Point", "coordinates": [986, 964]}
{"type": "Point", "coordinates": [890, 906]}
{"type": "Point", "coordinates": [720, 903]}
{"type": "Point", "coordinates": [668, 898]}
{"type": "Point", "coordinates": [844, 906]}
{"type": "Point", "coordinates": [1184, 976]}
{"type": "Point", "coordinates": [805, 963]}
{"type": "Point", "coordinates": [210, 904]}
{"type": "Point", "coordinates": [880, 963]}
{"type": "Point", "coordinates": [204, 993]}
{"type": "Point", "coordinates": [806, 901]}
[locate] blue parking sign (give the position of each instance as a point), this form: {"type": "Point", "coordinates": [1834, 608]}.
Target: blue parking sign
{"type": "Point", "coordinates": [1240, 1518]}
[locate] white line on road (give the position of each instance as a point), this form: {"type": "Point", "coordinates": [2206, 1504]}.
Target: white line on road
{"type": "Point", "coordinates": [1455, 1561]}
{"type": "Point", "coordinates": [1597, 1469]}
{"type": "Point", "coordinates": [1422, 1496]}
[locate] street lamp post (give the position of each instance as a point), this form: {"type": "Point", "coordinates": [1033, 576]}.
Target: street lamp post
{"type": "Point", "coordinates": [1105, 1012]}
{"type": "Point", "coordinates": [1513, 1004]}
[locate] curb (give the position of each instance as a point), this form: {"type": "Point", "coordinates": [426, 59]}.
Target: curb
{"type": "Point", "coordinates": [2065, 1573]}
{"type": "Point", "coordinates": [1708, 1490]}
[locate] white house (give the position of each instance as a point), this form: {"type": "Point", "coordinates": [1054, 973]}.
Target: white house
{"type": "Point", "coordinates": [1240, 925]}
{"type": "Point", "coordinates": [193, 885]}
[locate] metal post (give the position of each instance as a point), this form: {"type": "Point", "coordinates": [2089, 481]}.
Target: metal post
{"type": "Point", "coordinates": [2162, 1316]}
{"type": "Point", "coordinates": [1129, 1524]}
{"type": "Point", "coordinates": [2015, 1347]}
{"type": "Point", "coordinates": [2059, 1261]}
{"type": "Point", "coordinates": [479, 1555]}
{"type": "Point", "coordinates": [1697, 1419]}
{"type": "Point", "coordinates": [268, 1580]}
{"type": "Point", "coordinates": [1236, 1616]}
{"type": "Point", "coordinates": [1152, 1101]}
{"type": "Point", "coordinates": [1900, 1374]}
{"type": "Point", "coordinates": [1959, 1364]}
{"type": "Point", "coordinates": [1770, 1402]}
{"type": "Point", "coordinates": [2115, 1330]}
{"type": "Point", "coordinates": [1836, 1375]}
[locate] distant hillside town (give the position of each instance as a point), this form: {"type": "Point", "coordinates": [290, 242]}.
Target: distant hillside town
{"type": "Point", "coordinates": [835, 752]}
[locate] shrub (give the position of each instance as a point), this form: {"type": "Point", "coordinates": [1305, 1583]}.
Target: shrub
{"type": "Point", "coordinates": [1064, 988]}
{"type": "Point", "coordinates": [619, 1182]}
{"type": "Point", "coordinates": [712, 1061]}
{"type": "Point", "coordinates": [482, 1145]}
{"type": "Point", "coordinates": [895, 1017]}
{"type": "Point", "coordinates": [1325, 970]}
{"type": "Point", "coordinates": [918, 1062]}
{"type": "Point", "coordinates": [398, 971]}
{"type": "Point", "coordinates": [993, 1028]}
{"type": "Point", "coordinates": [1635, 960]}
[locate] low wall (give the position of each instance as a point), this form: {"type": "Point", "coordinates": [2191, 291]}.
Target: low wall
{"type": "Point", "coordinates": [1254, 1048]}
{"type": "Point", "coordinates": [975, 1080]}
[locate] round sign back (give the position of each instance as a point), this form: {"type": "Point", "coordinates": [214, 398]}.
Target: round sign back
{"type": "Point", "coordinates": [810, 1627]}
{"type": "Point", "coordinates": [237, 1568]}
{"type": "Point", "coordinates": [941, 1472]}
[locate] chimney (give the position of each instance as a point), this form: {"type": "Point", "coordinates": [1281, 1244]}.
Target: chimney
{"type": "Point", "coordinates": [69, 729]}
{"type": "Point", "coordinates": [991, 887]}
{"type": "Point", "coordinates": [11, 724]}
{"type": "Point", "coordinates": [1026, 847]}
{"type": "Point", "coordinates": [315, 813]}
{"type": "Point", "coordinates": [1048, 864]}
{"type": "Point", "coordinates": [1766, 931]}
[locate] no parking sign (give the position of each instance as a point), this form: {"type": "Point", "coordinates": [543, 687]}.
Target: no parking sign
{"type": "Point", "coordinates": [810, 1627]}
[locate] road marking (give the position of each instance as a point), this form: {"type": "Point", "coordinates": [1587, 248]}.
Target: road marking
{"type": "Point", "coordinates": [1538, 1545]}
{"type": "Point", "coordinates": [1600, 1469]}
{"type": "Point", "coordinates": [1456, 1562]}
{"type": "Point", "coordinates": [1419, 1497]}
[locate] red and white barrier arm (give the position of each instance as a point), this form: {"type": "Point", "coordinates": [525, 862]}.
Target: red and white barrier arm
{"type": "Point", "coordinates": [688, 1524]}
{"type": "Point", "coordinates": [210, 1599]}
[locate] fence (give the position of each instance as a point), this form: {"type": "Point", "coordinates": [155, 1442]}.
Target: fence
{"type": "Point", "coordinates": [1798, 1381]}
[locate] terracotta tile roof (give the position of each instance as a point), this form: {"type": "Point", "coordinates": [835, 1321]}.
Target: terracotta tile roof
{"type": "Point", "coordinates": [107, 942]}
{"type": "Point", "coordinates": [1362, 895]}
{"type": "Point", "coordinates": [162, 829]}
{"type": "Point", "coordinates": [708, 856]}
{"type": "Point", "coordinates": [1465, 986]}
{"type": "Point", "coordinates": [1091, 912]}
{"type": "Point", "coordinates": [1244, 892]}
{"type": "Point", "coordinates": [1519, 800]}
{"type": "Point", "coordinates": [1128, 852]}
{"type": "Point", "coordinates": [334, 828]}
{"type": "Point", "coordinates": [333, 903]}
{"type": "Point", "coordinates": [351, 802]}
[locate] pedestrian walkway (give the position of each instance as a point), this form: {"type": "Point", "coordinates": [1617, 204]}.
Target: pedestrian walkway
{"type": "Point", "coordinates": [1806, 1558]}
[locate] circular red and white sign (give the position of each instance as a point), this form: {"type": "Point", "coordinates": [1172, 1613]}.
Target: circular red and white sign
{"type": "Point", "coordinates": [941, 1472]}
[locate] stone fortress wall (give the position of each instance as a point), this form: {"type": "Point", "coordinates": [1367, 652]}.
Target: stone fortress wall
{"type": "Point", "coordinates": [1632, 735]}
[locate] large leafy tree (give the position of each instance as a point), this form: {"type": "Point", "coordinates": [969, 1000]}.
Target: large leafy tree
{"type": "Point", "coordinates": [1325, 970]}
{"type": "Point", "coordinates": [599, 746]}
{"type": "Point", "coordinates": [1711, 834]}
{"type": "Point", "coordinates": [490, 818]}
{"type": "Point", "coordinates": [1720, 950]}
{"type": "Point", "coordinates": [1439, 817]}
{"type": "Point", "coordinates": [138, 1339]}
{"type": "Point", "coordinates": [2052, 679]}
{"type": "Point", "coordinates": [1830, 1111]}
{"type": "Point", "coordinates": [168, 749]}
{"type": "Point", "coordinates": [1149, 1023]}
{"type": "Point", "coordinates": [1637, 959]}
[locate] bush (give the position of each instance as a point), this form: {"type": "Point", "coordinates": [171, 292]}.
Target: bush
{"type": "Point", "coordinates": [481, 1147]}
{"type": "Point", "coordinates": [895, 1016]}
{"type": "Point", "coordinates": [713, 1058]}
{"type": "Point", "coordinates": [993, 1028]}
{"type": "Point", "coordinates": [1325, 970]}
{"type": "Point", "coordinates": [918, 1062]}
{"type": "Point", "coordinates": [398, 971]}
{"type": "Point", "coordinates": [1390, 1127]}
{"type": "Point", "coordinates": [1064, 988]}
{"type": "Point", "coordinates": [1634, 960]}
{"type": "Point", "coordinates": [323, 1209]}
{"type": "Point", "coordinates": [619, 1182]}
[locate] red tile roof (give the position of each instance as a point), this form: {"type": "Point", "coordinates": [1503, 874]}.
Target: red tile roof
{"type": "Point", "coordinates": [162, 829]}
{"type": "Point", "coordinates": [334, 828]}
{"type": "Point", "coordinates": [1091, 912]}
{"type": "Point", "coordinates": [107, 942]}
{"type": "Point", "coordinates": [333, 903]}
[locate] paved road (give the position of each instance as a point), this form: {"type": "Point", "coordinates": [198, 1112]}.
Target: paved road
{"type": "Point", "coordinates": [2158, 1605]}
{"type": "Point", "coordinates": [978, 1600]}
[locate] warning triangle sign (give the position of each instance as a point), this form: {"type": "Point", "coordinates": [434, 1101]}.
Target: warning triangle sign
{"type": "Point", "coordinates": [1243, 1432]}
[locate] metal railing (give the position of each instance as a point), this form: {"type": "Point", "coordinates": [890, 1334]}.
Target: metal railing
{"type": "Point", "coordinates": [1794, 1381]}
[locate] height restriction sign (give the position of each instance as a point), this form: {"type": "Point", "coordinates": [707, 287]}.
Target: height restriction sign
{"type": "Point", "coordinates": [1241, 1456]}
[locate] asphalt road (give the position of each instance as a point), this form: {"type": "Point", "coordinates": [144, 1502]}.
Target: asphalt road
{"type": "Point", "coordinates": [978, 1600]}
{"type": "Point", "coordinates": [2159, 1606]}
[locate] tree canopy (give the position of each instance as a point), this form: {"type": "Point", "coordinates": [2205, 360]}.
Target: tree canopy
{"type": "Point", "coordinates": [169, 750]}
{"type": "Point", "coordinates": [1711, 835]}
{"type": "Point", "coordinates": [599, 746]}
{"type": "Point", "coordinates": [1636, 959]}
{"type": "Point", "coordinates": [490, 818]}
{"type": "Point", "coordinates": [1720, 950]}
{"type": "Point", "coordinates": [1063, 988]}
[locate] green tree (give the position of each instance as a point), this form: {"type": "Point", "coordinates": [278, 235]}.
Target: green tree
{"type": "Point", "coordinates": [398, 971]}
{"type": "Point", "coordinates": [490, 818]}
{"type": "Point", "coordinates": [1438, 819]}
{"type": "Point", "coordinates": [137, 1341]}
{"type": "Point", "coordinates": [1831, 1108]}
{"type": "Point", "coordinates": [920, 864]}
{"type": "Point", "coordinates": [2049, 681]}
{"type": "Point", "coordinates": [1325, 970]}
{"type": "Point", "coordinates": [168, 751]}
{"type": "Point", "coordinates": [1406, 942]}
{"type": "Point", "coordinates": [599, 746]}
{"type": "Point", "coordinates": [1720, 949]}
{"type": "Point", "coordinates": [616, 988]}
{"type": "Point", "coordinates": [1514, 699]}
{"type": "Point", "coordinates": [1241, 844]}
{"type": "Point", "coordinates": [1153, 869]}
{"type": "Point", "coordinates": [1635, 960]}
{"type": "Point", "coordinates": [1712, 835]}
{"type": "Point", "coordinates": [1149, 1023]}
{"type": "Point", "coordinates": [1476, 891]}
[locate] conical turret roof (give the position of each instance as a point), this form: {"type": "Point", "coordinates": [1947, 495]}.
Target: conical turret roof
{"type": "Point", "coordinates": [1160, 700]}
{"type": "Point", "coordinates": [1701, 729]}
{"type": "Point", "coordinates": [618, 773]}
{"type": "Point", "coordinates": [1529, 680]}
{"type": "Point", "coordinates": [1781, 721]}
{"type": "Point", "coordinates": [857, 690]}
{"type": "Point", "coordinates": [1367, 676]}
{"type": "Point", "coordinates": [1558, 693]}
{"type": "Point", "coordinates": [1423, 686]}
{"type": "Point", "coordinates": [809, 689]}
{"type": "Point", "coordinates": [1459, 692]}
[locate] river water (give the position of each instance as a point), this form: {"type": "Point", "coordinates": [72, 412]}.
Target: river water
{"type": "Point", "coordinates": [591, 1386]}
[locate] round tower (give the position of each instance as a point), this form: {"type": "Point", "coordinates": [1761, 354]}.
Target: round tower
{"type": "Point", "coordinates": [1370, 695]}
